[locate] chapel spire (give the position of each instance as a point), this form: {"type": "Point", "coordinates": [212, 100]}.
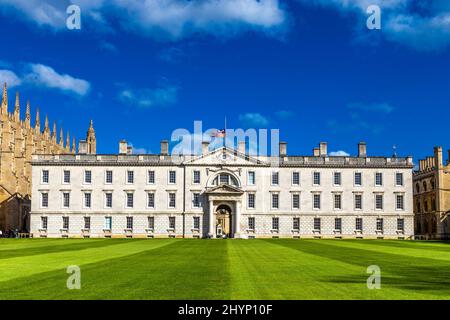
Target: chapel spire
{"type": "Point", "coordinates": [17, 108]}
{"type": "Point", "coordinates": [37, 122]}
{"type": "Point", "coordinates": [4, 109]}
{"type": "Point", "coordinates": [28, 116]}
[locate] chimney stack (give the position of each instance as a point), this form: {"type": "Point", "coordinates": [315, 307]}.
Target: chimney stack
{"type": "Point", "coordinates": [323, 149]}
{"type": "Point", "coordinates": [316, 152]}
{"type": "Point", "coordinates": [205, 147]}
{"type": "Point", "coordinates": [283, 149]}
{"type": "Point", "coordinates": [164, 148]}
{"type": "Point", "coordinates": [362, 150]}
{"type": "Point", "coordinates": [123, 147]}
{"type": "Point", "coordinates": [241, 147]}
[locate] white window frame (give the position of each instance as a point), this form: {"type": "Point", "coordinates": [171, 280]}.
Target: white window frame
{"type": "Point", "coordinates": [254, 178]}
{"type": "Point", "coordinates": [42, 199]}
{"type": "Point", "coordinates": [128, 219]}
{"type": "Point", "coordinates": [335, 173]}
{"type": "Point", "coordinates": [397, 194]}
{"type": "Point", "coordinates": [64, 177]}
{"type": "Point", "coordinates": [194, 219]}
{"type": "Point", "coordinates": [42, 176]}
{"type": "Point", "coordinates": [192, 200]}
{"type": "Point", "coordinates": [356, 224]}
{"type": "Point", "coordinates": [314, 194]}
{"type": "Point", "coordinates": [334, 201]}
{"type": "Point", "coordinates": [105, 226]}
{"type": "Point", "coordinates": [292, 178]}
{"type": "Point", "coordinates": [395, 179]}
{"type": "Point", "coordinates": [319, 175]}
{"type": "Point", "coordinates": [293, 194]}
{"type": "Point", "coordinates": [382, 179]}
{"type": "Point", "coordinates": [168, 177]}
{"type": "Point", "coordinates": [272, 175]}
{"type": "Point", "coordinates": [126, 199]}
{"type": "Point", "coordinates": [63, 222]}
{"type": "Point", "coordinates": [62, 199]}
{"type": "Point", "coordinates": [354, 201]}
{"type": "Point", "coordinates": [105, 193]}
{"type": "Point", "coordinates": [168, 200]}
{"type": "Point", "coordinates": [148, 199]}
{"type": "Point", "coordinates": [148, 176]}
{"type": "Point", "coordinates": [382, 201]}
{"type": "Point", "coordinates": [84, 199]}
{"type": "Point", "coordinates": [127, 181]}
{"type": "Point", "coordinates": [42, 227]}
{"type": "Point", "coordinates": [248, 201]}
{"type": "Point", "coordinates": [272, 202]}
{"type": "Point", "coordinates": [84, 177]}
{"type": "Point", "coordinates": [354, 179]}
{"type": "Point", "coordinates": [106, 176]}
{"type": "Point", "coordinates": [199, 176]}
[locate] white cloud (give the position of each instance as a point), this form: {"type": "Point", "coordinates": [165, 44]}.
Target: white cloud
{"type": "Point", "coordinates": [372, 107]}
{"type": "Point", "coordinates": [137, 150]}
{"type": "Point", "coordinates": [175, 18]}
{"type": "Point", "coordinates": [253, 119]}
{"type": "Point", "coordinates": [10, 78]}
{"type": "Point", "coordinates": [339, 153]}
{"type": "Point", "coordinates": [42, 75]}
{"type": "Point", "coordinates": [146, 98]}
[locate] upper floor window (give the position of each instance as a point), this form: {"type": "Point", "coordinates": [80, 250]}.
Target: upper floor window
{"type": "Point", "coordinates": [88, 176]}
{"type": "Point", "coordinates": [150, 200]}
{"type": "Point", "coordinates": [66, 199]}
{"type": "Point", "coordinates": [337, 201]}
{"type": "Point", "coordinates": [108, 200]}
{"type": "Point", "coordinates": [275, 178]}
{"type": "Point", "coordinates": [172, 177]}
{"type": "Point", "coordinates": [251, 178]}
{"type": "Point", "coordinates": [151, 177]}
{"type": "Point", "coordinates": [196, 177]}
{"type": "Point", "coordinates": [196, 200]}
{"type": "Point", "coordinates": [66, 176]}
{"type": "Point", "coordinates": [378, 179]}
{"type": "Point", "coordinates": [316, 178]}
{"type": "Point", "coordinates": [296, 178]}
{"type": "Point", "coordinates": [44, 200]}
{"type": "Point", "coordinates": [358, 201]}
{"type": "Point", "coordinates": [295, 201]}
{"type": "Point", "coordinates": [399, 179]}
{"type": "Point", "coordinates": [378, 202]}
{"type": "Point", "coordinates": [275, 200]}
{"type": "Point", "coordinates": [358, 178]}
{"type": "Point", "coordinates": [172, 200]}
{"type": "Point", "coordinates": [251, 200]}
{"type": "Point", "coordinates": [45, 176]}
{"type": "Point", "coordinates": [225, 178]}
{"type": "Point", "coordinates": [108, 176]}
{"type": "Point", "coordinates": [399, 202]}
{"type": "Point", "coordinates": [316, 201]}
{"type": "Point", "coordinates": [87, 199]}
{"type": "Point", "coordinates": [337, 178]}
{"type": "Point", "coordinates": [130, 200]}
{"type": "Point", "coordinates": [130, 176]}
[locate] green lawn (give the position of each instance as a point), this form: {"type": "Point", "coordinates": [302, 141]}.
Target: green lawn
{"type": "Point", "coordinates": [223, 269]}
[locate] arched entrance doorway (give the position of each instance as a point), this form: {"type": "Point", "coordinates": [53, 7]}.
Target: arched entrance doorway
{"type": "Point", "coordinates": [223, 221]}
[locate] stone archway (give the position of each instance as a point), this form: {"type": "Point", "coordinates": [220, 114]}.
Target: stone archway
{"type": "Point", "coordinates": [224, 220]}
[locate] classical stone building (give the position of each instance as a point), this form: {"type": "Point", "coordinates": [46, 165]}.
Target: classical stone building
{"type": "Point", "coordinates": [432, 197]}
{"type": "Point", "coordinates": [224, 191]}
{"type": "Point", "coordinates": [19, 141]}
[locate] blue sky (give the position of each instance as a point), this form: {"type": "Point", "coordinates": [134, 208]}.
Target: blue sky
{"type": "Point", "coordinates": [141, 69]}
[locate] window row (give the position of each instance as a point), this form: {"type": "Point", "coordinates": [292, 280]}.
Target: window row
{"type": "Point", "coordinates": [109, 177]}
{"type": "Point", "coordinates": [337, 201]}
{"type": "Point", "coordinates": [317, 224]}
{"type": "Point", "coordinates": [65, 223]}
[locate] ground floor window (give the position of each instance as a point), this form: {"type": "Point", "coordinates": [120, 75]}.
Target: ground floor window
{"type": "Point", "coordinates": [196, 222]}
{"type": "Point", "coordinates": [251, 223]}
{"type": "Point", "coordinates": [380, 224]}
{"type": "Point", "coordinates": [338, 224]}
{"type": "Point", "coordinates": [108, 223]}
{"type": "Point", "coordinates": [151, 222]}
{"type": "Point", "coordinates": [87, 222]}
{"type": "Point", "coordinates": [65, 223]}
{"type": "Point", "coordinates": [317, 224]}
{"type": "Point", "coordinates": [296, 224]}
{"type": "Point", "coordinates": [275, 223]}
{"type": "Point", "coordinates": [359, 224]}
{"type": "Point", "coordinates": [172, 223]}
{"type": "Point", "coordinates": [129, 222]}
{"type": "Point", "coordinates": [401, 224]}
{"type": "Point", "coordinates": [44, 223]}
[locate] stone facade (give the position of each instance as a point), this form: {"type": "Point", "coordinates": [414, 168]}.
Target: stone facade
{"type": "Point", "coordinates": [222, 192]}
{"type": "Point", "coordinates": [432, 197]}
{"type": "Point", "coordinates": [19, 141]}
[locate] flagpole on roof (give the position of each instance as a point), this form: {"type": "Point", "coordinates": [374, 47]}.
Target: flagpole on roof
{"type": "Point", "coordinates": [225, 131]}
